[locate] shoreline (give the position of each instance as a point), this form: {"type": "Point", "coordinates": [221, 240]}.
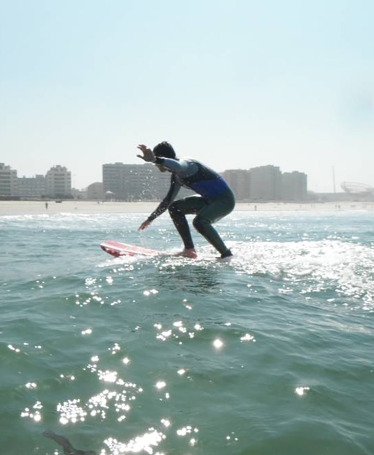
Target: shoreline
{"type": "Point", "coordinates": [92, 207]}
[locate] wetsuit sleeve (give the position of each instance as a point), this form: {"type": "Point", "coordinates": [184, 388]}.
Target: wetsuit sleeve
{"type": "Point", "coordinates": [180, 167]}
{"type": "Point", "coordinates": [168, 199]}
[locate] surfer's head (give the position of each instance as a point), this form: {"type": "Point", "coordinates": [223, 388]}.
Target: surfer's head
{"type": "Point", "coordinates": [164, 150]}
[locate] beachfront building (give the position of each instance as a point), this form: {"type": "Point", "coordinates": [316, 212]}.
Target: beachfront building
{"type": "Point", "coordinates": [32, 187]}
{"type": "Point", "coordinates": [58, 182]}
{"type": "Point", "coordinates": [8, 182]}
{"type": "Point", "coordinates": [134, 182]}
{"type": "Point", "coordinates": [95, 192]}
{"type": "Point", "coordinates": [265, 183]}
{"type": "Point", "coordinates": [294, 186]}
{"type": "Point", "coordinates": [238, 179]}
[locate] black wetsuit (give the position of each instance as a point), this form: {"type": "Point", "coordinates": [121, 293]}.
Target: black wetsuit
{"type": "Point", "coordinates": [216, 200]}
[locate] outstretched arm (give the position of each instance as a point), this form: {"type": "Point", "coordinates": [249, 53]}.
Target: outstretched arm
{"type": "Point", "coordinates": [164, 204]}
{"type": "Point", "coordinates": [148, 155]}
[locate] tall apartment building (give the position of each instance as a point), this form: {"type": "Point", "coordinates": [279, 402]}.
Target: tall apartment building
{"type": "Point", "coordinates": [294, 186]}
{"type": "Point", "coordinates": [134, 182]}
{"type": "Point", "coordinates": [265, 183]}
{"type": "Point", "coordinates": [58, 182]}
{"type": "Point", "coordinates": [8, 182]}
{"type": "Point", "coordinates": [238, 179]}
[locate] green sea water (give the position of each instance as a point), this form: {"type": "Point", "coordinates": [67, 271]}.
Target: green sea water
{"type": "Point", "coordinates": [270, 353]}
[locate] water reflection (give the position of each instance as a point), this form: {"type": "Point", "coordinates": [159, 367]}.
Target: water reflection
{"type": "Point", "coordinates": [196, 278]}
{"type": "Point", "coordinates": [178, 331]}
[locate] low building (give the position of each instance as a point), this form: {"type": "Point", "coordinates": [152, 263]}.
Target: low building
{"type": "Point", "coordinates": [32, 187]}
{"type": "Point", "coordinates": [95, 192]}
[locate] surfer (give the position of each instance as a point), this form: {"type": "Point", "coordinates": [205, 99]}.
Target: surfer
{"type": "Point", "coordinates": [65, 444]}
{"type": "Point", "coordinates": [215, 199]}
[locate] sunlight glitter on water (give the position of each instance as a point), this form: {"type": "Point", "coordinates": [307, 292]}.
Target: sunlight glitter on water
{"type": "Point", "coordinates": [145, 442]}
{"type": "Point", "coordinates": [71, 412]}
{"type": "Point", "coordinates": [218, 344]}
{"type": "Point", "coordinates": [314, 265]}
{"type": "Point", "coordinates": [179, 328]}
{"type": "Point", "coordinates": [34, 413]}
{"type": "Point", "coordinates": [301, 390]}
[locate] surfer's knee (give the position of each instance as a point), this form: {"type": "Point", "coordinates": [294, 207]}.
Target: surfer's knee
{"type": "Point", "coordinates": [201, 224]}
{"type": "Point", "coordinates": [174, 209]}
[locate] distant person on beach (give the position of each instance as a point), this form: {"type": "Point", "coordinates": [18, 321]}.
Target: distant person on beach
{"type": "Point", "coordinates": [215, 199]}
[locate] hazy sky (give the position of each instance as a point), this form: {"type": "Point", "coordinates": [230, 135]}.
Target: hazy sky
{"type": "Point", "coordinates": [234, 83]}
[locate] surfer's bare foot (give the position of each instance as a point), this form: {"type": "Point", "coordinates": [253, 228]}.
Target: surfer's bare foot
{"type": "Point", "coordinates": [188, 253]}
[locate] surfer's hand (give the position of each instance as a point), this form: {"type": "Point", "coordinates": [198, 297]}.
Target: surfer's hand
{"type": "Point", "coordinates": [144, 225]}
{"type": "Point", "coordinates": [148, 155]}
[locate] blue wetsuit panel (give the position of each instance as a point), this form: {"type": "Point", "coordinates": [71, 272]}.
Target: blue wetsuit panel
{"type": "Point", "coordinates": [209, 189]}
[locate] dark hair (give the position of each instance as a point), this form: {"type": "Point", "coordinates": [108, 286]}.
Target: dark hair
{"type": "Point", "coordinates": [164, 150]}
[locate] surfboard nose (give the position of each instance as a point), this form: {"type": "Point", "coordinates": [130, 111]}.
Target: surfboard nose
{"type": "Point", "coordinates": [109, 250]}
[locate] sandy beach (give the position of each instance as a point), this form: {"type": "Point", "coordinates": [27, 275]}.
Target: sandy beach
{"type": "Point", "coordinates": [90, 207]}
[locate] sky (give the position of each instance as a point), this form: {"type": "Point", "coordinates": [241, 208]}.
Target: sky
{"type": "Point", "coordinates": [234, 83]}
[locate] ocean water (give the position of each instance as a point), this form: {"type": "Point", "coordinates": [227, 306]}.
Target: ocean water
{"type": "Point", "coordinates": [269, 353]}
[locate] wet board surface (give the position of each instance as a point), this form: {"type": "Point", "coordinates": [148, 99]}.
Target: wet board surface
{"type": "Point", "coordinates": [117, 249]}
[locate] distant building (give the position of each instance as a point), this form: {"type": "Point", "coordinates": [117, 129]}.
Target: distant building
{"type": "Point", "coordinates": [8, 182]}
{"type": "Point", "coordinates": [134, 182]}
{"type": "Point", "coordinates": [58, 182]}
{"type": "Point", "coordinates": [144, 182]}
{"type": "Point", "coordinates": [239, 181]}
{"type": "Point", "coordinates": [32, 187]}
{"type": "Point", "coordinates": [294, 186]}
{"type": "Point", "coordinates": [265, 183]}
{"type": "Point", "coordinates": [95, 192]}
